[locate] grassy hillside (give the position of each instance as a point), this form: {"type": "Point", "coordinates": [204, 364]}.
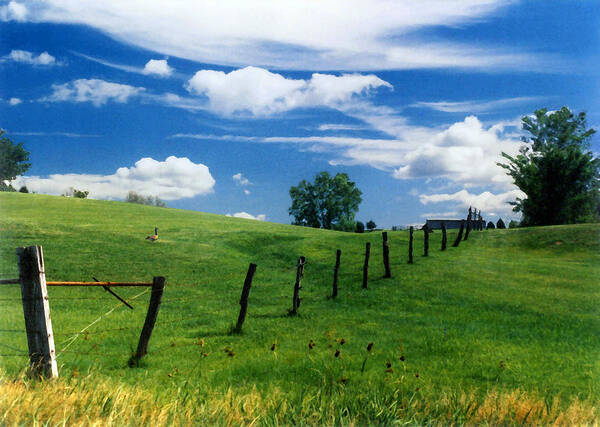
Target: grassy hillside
{"type": "Point", "coordinates": [504, 328]}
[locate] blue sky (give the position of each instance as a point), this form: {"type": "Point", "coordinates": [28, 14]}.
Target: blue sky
{"type": "Point", "coordinates": [222, 106]}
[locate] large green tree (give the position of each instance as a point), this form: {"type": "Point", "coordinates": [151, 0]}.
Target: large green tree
{"type": "Point", "coordinates": [13, 161]}
{"type": "Point", "coordinates": [329, 202]}
{"type": "Point", "coordinates": [555, 169]}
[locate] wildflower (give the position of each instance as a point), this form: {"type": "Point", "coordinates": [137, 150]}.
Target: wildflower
{"type": "Point", "coordinates": [389, 371]}
{"type": "Point", "coordinates": [369, 346]}
{"type": "Point", "coordinates": [417, 375]}
{"type": "Point", "coordinates": [273, 347]}
{"type": "Point", "coordinates": [337, 353]}
{"type": "Point", "coordinates": [402, 358]}
{"type": "Point", "coordinates": [342, 341]}
{"type": "Point", "coordinates": [388, 365]}
{"type": "Point", "coordinates": [311, 344]}
{"type": "Point", "coordinates": [343, 380]}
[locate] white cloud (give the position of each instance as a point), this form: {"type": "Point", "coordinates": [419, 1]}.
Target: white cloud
{"type": "Point", "coordinates": [477, 106]}
{"type": "Point", "coordinates": [297, 34]}
{"type": "Point", "coordinates": [158, 67]}
{"type": "Point", "coordinates": [247, 192]}
{"type": "Point", "coordinates": [13, 11]}
{"type": "Point", "coordinates": [173, 179]}
{"type": "Point", "coordinates": [436, 215]}
{"type": "Point", "coordinates": [486, 201]}
{"type": "Point", "coordinates": [339, 127]}
{"type": "Point", "coordinates": [98, 92]}
{"type": "Point", "coordinates": [65, 134]}
{"type": "Point", "coordinates": [260, 92]}
{"type": "Point", "coordinates": [465, 153]}
{"type": "Point", "coordinates": [240, 179]}
{"type": "Point", "coordinates": [245, 215]}
{"type": "Point", "coordinates": [27, 57]}
{"type": "Point", "coordinates": [14, 101]}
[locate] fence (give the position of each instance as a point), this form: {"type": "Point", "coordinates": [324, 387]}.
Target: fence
{"type": "Point", "coordinates": [36, 304]}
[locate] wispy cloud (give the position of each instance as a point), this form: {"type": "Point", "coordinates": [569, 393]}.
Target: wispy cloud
{"type": "Point", "coordinates": [246, 215]}
{"type": "Point", "coordinates": [26, 57]}
{"type": "Point", "coordinates": [296, 34]}
{"type": "Point", "coordinates": [340, 127]}
{"type": "Point", "coordinates": [478, 106]}
{"type": "Point", "coordinates": [65, 134]}
{"type": "Point", "coordinates": [156, 67]}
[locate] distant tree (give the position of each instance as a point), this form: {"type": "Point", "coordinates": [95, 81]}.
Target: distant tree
{"type": "Point", "coordinates": [360, 227]}
{"type": "Point", "coordinates": [133, 197]}
{"type": "Point", "coordinates": [13, 161]}
{"type": "Point", "coordinates": [80, 194]}
{"type": "Point", "coordinates": [23, 189]}
{"type": "Point", "coordinates": [513, 224]}
{"type": "Point", "coordinates": [490, 226]}
{"type": "Point", "coordinates": [500, 224]}
{"type": "Point", "coordinates": [555, 169]}
{"type": "Point", "coordinates": [371, 225]}
{"type": "Point", "coordinates": [329, 202]}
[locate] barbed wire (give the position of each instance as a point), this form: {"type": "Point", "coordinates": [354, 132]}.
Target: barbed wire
{"type": "Point", "coordinates": [12, 348]}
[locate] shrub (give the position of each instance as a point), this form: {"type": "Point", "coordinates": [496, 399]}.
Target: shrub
{"type": "Point", "coordinates": [133, 197]}
{"type": "Point", "coordinates": [500, 224]}
{"type": "Point", "coordinates": [360, 227]}
{"type": "Point", "coordinates": [371, 225]}
{"type": "Point", "coordinates": [490, 226]}
{"type": "Point", "coordinates": [513, 224]}
{"type": "Point", "coordinates": [23, 189]}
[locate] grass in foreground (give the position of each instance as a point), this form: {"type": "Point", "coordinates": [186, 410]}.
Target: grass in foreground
{"type": "Point", "coordinates": [509, 316]}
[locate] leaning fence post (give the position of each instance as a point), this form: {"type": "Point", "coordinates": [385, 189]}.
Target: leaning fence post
{"type": "Point", "coordinates": [158, 285]}
{"type": "Point", "coordinates": [244, 298]}
{"type": "Point", "coordinates": [298, 285]}
{"type": "Point", "coordinates": [411, 230]}
{"type": "Point", "coordinates": [444, 236]}
{"type": "Point", "coordinates": [366, 265]}
{"type": "Point", "coordinates": [460, 234]}
{"type": "Point", "coordinates": [338, 255]}
{"type": "Point", "coordinates": [425, 240]}
{"type": "Point", "coordinates": [386, 255]}
{"type": "Point", "coordinates": [36, 309]}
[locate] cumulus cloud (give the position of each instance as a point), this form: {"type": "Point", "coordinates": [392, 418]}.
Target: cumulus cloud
{"type": "Point", "coordinates": [313, 35]}
{"type": "Point", "coordinates": [14, 101]}
{"type": "Point", "coordinates": [246, 215]}
{"type": "Point", "coordinates": [260, 92]}
{"type": "Point", "coordinates": [246, 192]}
{"type": "Point", "coordinates": [158, 67]}
{"type": "Point", "coordinates": [172, 179]}
{"type": "Point", "coordinates": [13, 11]}
{"type": "Point", "coordinates": [486, 201]}
{"type": "Point", "coordinates": [27, 57]}
{"type": "Point", "coordinates": [240, 179]}
{"type": "Point", "coordinates": [96, 91]}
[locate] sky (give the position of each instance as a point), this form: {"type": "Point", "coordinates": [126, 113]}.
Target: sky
{"type": "Point", "coordinates": [222, 106]}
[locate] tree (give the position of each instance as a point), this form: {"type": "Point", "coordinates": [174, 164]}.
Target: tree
{"type": "Point", "coordinates": [360, 227]}
{"type": "Point", "coordinates": [513, 224]}
{"type": "Point", "coordinates": [500, 224]}
{"type": "Point", "coordinates": [558, 174]}
{"type": "Point", "coordinates": [490, 225]}
{"type": "Point", "coordinates": [331, 202]}
{"type": "Point", "coordinates": [23, 189]}
{"type": "Point", "coordinates": [13, 161]}
{"type": "Point", "coordinates": [371, 225]}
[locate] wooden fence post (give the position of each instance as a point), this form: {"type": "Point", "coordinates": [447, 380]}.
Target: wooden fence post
{"type": "Point", "coordinates": [338, 255]}
{"type": "Point", "coordinates": [366, 265]}
{"type": "Point", "coordinates": [444, 236]}
{"type": "Point", "coordinates": [468, 224]}
{"type": "Point", "coordinates": [410, 244]}
{"type": "Point", "coordinates": [158, 285]}
{"type": "Point", "coordinates": [425, 240]}
{"type": "Point", "coordinates": [460, 234]}
{"type": "Point", "coordinates": [244, 298]}
{"type": "Point", "coordinates": [298, 285]}
{"type": "Point", "coordinates": [386, 255]}
{"type": "Point", "coordinates": [36, 309]}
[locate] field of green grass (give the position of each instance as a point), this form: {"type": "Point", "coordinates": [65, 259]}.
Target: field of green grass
{"type": "Point", "coordinates": [503, 329]}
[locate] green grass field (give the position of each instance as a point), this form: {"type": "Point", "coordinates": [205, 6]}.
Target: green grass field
{"type": "Point", "coordinates": [503, 329]}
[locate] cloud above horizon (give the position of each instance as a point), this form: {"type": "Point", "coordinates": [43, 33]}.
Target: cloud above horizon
{"type": "Point", "coordinates": [296, 35]}
{"type": "Point", "coordinates": [489, 203]}
{"type": "Point", "coordinates": [246, 215]}
{"type": "Point", "coordinates": [26, 57]}
{"type": "Point", "coordinates": [172, 179]}
{"type": "Point", "coordinates": [260, 92]}
{"type": "Point", "coordinates": [96, 91]}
